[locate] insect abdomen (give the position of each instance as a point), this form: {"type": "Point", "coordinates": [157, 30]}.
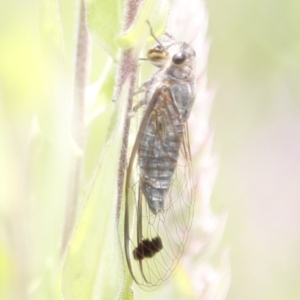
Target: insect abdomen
{"type": "Point", "coordinates": [158, 154]}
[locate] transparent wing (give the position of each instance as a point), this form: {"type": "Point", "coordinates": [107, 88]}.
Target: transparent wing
{"type": "Point", "coordinates": [154, 242]}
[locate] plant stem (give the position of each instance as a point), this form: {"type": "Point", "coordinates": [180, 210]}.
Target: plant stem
{"type": "Point", "coordinates": [82, 66]}
{"type": "Point", "coordinates": [126, 74]}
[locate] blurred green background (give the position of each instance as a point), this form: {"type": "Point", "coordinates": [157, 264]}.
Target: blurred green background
{"type": "Point", "coordinates": [254, 66]}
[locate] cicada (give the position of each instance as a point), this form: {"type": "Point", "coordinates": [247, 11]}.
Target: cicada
{"type": "Point", "coordinates": [159, 183]}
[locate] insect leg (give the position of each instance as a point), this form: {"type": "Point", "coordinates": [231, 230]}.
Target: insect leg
{"type": "Point", "coordinates": [139, 105]}
{"type": "Point", "coordinates": [144, 88]}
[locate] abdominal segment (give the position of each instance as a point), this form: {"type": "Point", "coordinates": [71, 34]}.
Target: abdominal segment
{"type": "Point", "coordinates": [158, 155]}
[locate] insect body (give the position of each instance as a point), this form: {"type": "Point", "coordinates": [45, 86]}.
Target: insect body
{"type": "Point", "coordinates": [159, 185]}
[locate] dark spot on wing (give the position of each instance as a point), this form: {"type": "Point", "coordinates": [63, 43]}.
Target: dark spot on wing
{"type": "Point", "coordinates": [147, 248]}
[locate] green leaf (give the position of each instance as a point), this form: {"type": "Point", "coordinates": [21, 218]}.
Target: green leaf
{"type": "Point", "coordinates": [94, 265]}
{"type": "Point", "coordinates": [154, 11]}
{"type": "Point", "coordinates": [104, 23]}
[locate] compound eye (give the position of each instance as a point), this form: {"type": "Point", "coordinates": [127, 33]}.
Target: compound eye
{"type": "Point", "coordinates": [179, 58]}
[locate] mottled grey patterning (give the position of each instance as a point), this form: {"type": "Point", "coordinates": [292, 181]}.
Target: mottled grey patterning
{"type": "Point", "coordinates": [160, 144]}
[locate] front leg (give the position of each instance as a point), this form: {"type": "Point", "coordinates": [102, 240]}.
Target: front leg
{"type": "Point", "coordinates": [144, 88]}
